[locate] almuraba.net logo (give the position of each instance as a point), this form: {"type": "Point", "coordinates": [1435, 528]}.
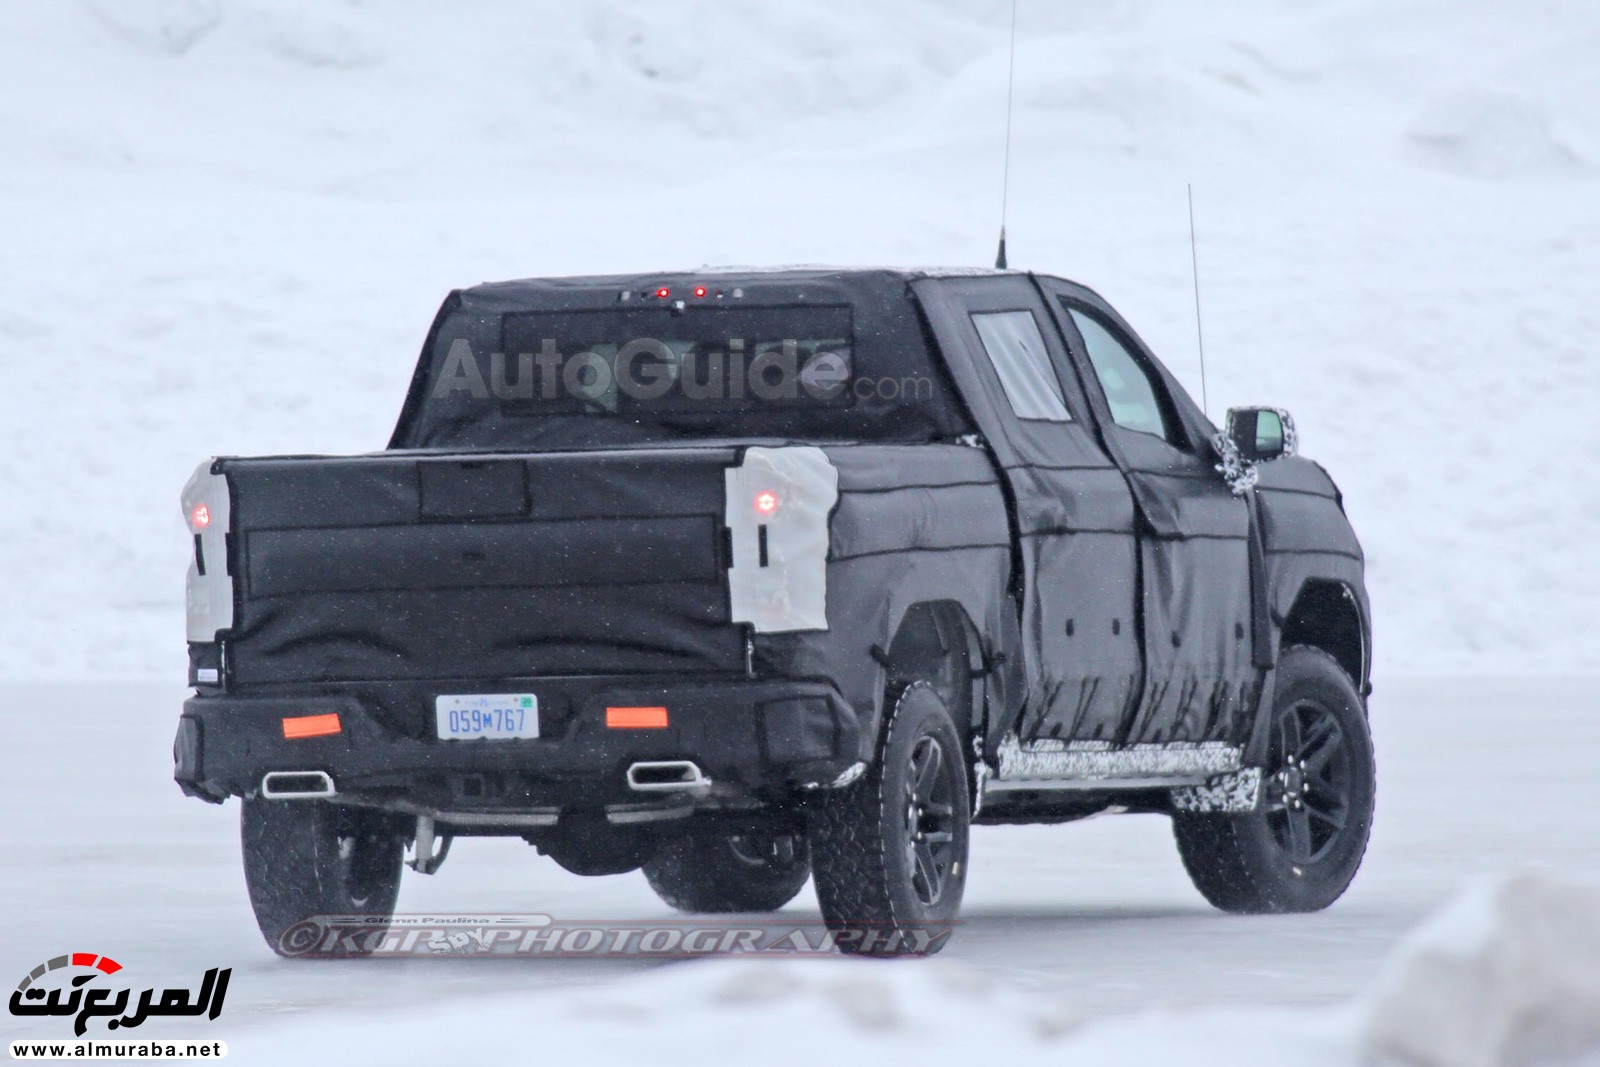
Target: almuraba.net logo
{"type": "Point", "coordinates": [69, 985]}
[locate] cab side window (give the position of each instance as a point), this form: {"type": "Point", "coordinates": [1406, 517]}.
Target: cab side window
{"type": "Point", "coordinates": [1135, 394]}
{"type": "Point", "coordinates": [1016, 348]}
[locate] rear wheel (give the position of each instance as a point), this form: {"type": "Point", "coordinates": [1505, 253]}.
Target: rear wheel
{"type": "Point", "coordinates": [889, 852]}
{"type": "Point", "coordinates": [309, 858]}
{"type": "Point", "coordinates": [1300, 850]}
{"type": "Point", "coordinates": [702, 871]}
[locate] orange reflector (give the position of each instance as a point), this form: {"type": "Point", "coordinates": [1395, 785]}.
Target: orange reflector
{"type": "Point", "coordinates": [636, 718]}
{"type": "Point", "coordinates": [311, 726]}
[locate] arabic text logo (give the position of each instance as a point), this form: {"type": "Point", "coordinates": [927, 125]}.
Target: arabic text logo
{"type": "Point", "coordinates": [87, 1002]}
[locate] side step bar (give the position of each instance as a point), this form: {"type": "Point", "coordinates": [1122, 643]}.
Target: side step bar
{"type": "Point", "coordinates": [1202, 776]}
{"type": "Point", "coordinates": [1091, 764]}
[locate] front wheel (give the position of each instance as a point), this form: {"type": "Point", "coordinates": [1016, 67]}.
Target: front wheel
{"type": "Point", "coordinates": [711, 872]}
{"type": "Point", "coordinates": [309, 858]}
{"type": "Point", "coordinates": [1301, 848]}
{"type": "Point", "coordinates": [889, 852]}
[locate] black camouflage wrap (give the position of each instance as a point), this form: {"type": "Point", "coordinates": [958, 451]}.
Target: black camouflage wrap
{"type": "Point", "coordinates": [1109, 587]}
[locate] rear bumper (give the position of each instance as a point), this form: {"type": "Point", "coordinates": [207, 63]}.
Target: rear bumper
{"type": "Point", "coordinates": [754, 740]}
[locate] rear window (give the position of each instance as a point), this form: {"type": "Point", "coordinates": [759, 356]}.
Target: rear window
{"type": "Point", "coordinates": [636, 371]}
{"type": "Point", "coordinates": [709, 361]}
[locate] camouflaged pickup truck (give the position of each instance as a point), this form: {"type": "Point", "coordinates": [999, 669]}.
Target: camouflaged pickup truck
{"type": "Point", "coordinates": [748, 577]}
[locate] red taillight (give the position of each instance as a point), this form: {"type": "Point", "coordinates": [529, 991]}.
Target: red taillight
{"type": "Point", "coordinates": [647, 718]}
{"type": "Point", "coordinates": [766, 502]}
{"type": "Point", "coordinates": [200, 517]}
{"type": "Point", "coordinates": [299, 726]}
{"type": "Point", "coordinates": [663, 292]}
{"type": "Point", "coordinates": [699, 290]}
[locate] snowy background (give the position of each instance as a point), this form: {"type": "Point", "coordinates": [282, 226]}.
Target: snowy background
{"type": "Point", "coordinates": [225, 226]}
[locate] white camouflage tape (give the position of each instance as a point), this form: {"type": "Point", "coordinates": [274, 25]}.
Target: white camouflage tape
{"type": "Point", "coordinates": [209, 595]}
{"type": "Point", "coordinates": [778, 504]}
{"type": "Point", "coordinates": [1048, 759]}
{"type": "Point", "coordinates": [1237, 792]}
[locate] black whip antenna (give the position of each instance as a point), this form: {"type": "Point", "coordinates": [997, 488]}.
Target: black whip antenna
{"type": "Point", "coordinates": [1199, 332]}
{"type": "Point", "coordinates": [1005, 180]}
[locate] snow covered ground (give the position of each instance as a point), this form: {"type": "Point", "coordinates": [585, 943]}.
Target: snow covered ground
{"type": "Point", "coordinates": [224, 227]}
{"type": "Point", "coordinates": [1086, 940]}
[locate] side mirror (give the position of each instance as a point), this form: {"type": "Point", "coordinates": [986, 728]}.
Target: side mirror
{"type": "Point", "coordinates": [1261, 434]}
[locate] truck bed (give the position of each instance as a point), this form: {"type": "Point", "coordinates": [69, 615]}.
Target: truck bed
{"type": "Point", "coordinates": [416, 566]}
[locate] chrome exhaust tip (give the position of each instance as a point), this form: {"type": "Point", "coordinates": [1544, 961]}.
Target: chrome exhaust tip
{"type": "Point", "coordinates": [296, 785]}
{"type": "Point", "coordinates": [667, 776]}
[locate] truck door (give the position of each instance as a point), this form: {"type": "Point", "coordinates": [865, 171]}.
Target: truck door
{"type": "Point", "coordinates": [1194, 534]}
{"type": "Point", "coordinates": [1073, 515]}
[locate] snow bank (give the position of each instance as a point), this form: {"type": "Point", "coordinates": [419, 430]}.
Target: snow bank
{"type": "Point", "coordinates": [802, 1013]}
{"type": "Point", "coordinates": [169, 27]}
{"type": "Point", "coordinates": [1508, 974]}
{"type": "Point", "coordinates": [227, 226]}
{"type": "Point", "coordinates": [1493, 135]}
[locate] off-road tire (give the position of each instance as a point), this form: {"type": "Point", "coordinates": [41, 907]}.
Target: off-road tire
{"type": "Point", "coordinates": [710, 872]}
{"type": "Point", "coordinates": [1282, 857]}
{"type": "Point", "coordinates": [864, 853]}
{"type": "Point", "coordinates": [309, 858]}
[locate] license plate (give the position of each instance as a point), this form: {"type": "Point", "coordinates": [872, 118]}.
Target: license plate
{"type": "Point", "coordinates": [489, 715]}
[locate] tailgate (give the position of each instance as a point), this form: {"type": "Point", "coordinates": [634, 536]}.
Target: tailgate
{"type": "Point", "coordinates": [409, 567]}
